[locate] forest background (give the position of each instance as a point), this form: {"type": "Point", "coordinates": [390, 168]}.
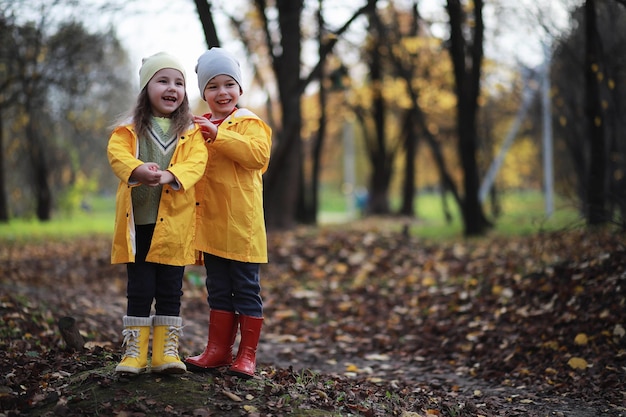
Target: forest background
{"type": "Point", "coordinates": [388, 110]}
{"type": "Point", "coordinates": [378, 107]}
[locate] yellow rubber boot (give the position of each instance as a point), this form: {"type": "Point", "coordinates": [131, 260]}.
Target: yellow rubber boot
{"type": "Point", "coordinates": [136, 340]}
{"type": "Point", "coordinates": [167, 331]}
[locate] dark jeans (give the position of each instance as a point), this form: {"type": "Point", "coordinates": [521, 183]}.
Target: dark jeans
{"type": "Point", "coordinates": [233, 286]}
{"type": "Point", "coordinates": [149, 281]}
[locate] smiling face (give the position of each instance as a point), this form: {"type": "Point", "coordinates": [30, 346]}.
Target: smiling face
{"type": "Point", "coordinates": [166, 91]}
{"type": "Point", "coordinates": [222, 94]}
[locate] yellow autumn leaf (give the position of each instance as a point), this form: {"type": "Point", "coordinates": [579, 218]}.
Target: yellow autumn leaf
{"type": "Point", "coordinates": [429, 282]}
{"type": "Point", "coordinates": [321, 394]}
{"type": "Point", "coordinates": [352, 368]}
{"type": "Point", "coordinates": [577, 363]}
{"type": "Point", "coordinates": [497, 289]}
{"type": "Point", "coordinates": [345, 306]}
{"type": "Point", "coordinates": [285, 314]}
{"type": "Point", "coordinates": [551, 344]}
{"type": "Point", "coordinates": [581, 339]}
{"type": "Point", "coordinates": [341, 268]}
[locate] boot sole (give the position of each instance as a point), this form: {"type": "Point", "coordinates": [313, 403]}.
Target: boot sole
{"type": "Point", "coordinates": [131, 371]}
{"type": "Point", "coordinates": [195, 368]}
{"type": "Point", "coordinates": [241, 375]}
{"type": "Point", "coordinates": [169, 371]}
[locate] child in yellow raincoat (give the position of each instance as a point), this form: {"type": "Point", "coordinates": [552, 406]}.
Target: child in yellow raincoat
{"type": "Point", "coordinates": [231, 225]}
{"type": "Point", "coordinates": [159, 155]}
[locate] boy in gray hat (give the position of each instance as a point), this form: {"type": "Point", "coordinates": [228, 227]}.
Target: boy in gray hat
{"type": "Point", "coordinates": [230, 233]}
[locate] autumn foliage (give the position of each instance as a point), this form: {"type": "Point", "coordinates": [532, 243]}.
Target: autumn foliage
{"type": "Point", "coordinates": [362, 322]}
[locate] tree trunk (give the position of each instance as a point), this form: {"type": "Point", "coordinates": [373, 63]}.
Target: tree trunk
{"type": "Point", "coordinates": [410, 148]}
{"type": "Point", "coordinates": [378, 202]}
{"type": "Point", "coordinates": [43, 195]}
{"type": "Point", "coordinates": [282, 180]}
{"type": "Point", "coordinates": [206, 18]}
{"type": "Point", "coordinates": [467, 60]}
{"type": "Point", "coordinates": [309, 194]}
{"type": "Point", "coordinates": [596, 182]}
{"type": "Point", "coordinates": [4, 210]}
{"type": "Point", "coordinates": [617, 189]}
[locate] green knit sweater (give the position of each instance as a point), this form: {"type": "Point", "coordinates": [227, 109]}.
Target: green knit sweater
{"type": "Point", "coordinates": [157, 147]}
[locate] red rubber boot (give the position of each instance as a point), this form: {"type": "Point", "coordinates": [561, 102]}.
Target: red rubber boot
{"type": "Point", "coordinates": [219, 348]}
{"type": "Point", "coordinates": [245, 363]}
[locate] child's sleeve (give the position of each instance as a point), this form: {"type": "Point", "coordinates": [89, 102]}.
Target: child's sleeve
{"type": "Point", "coordinates": [121, 153]}
{"type": "Point", "coordinates": [189, 168]}
{"type": "Point", "coordinates": [249, 145]}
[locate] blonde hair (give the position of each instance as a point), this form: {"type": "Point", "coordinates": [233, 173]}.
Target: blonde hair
{"type": "Point", "coordinates": [181, 117]}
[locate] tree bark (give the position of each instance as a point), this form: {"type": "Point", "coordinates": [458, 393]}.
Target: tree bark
{"type": "Point", "coordinates": [310, 191]}
{"type": "Point", "coordinates": [41, 173]}
{"type": "Point", "coordinates": [206, 18]}
{"type": "Point", "coordinates": [410, 148]}
{"type": "Point", "coordinates": [4, 206]}
{"type": "Point", "coordinates": [282, 180]}
{"type": "Point", "coordinates": [467, 60]}
{"type": "Point", "coordinates": [379, 154]}
{"type": "Point", "coordinates": [596, 182]}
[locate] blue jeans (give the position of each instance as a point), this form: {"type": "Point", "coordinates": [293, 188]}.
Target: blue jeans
{"type": "Point", "coordinates": [148, 281]}
{"type": "Point", "coordinates": [233, 286]}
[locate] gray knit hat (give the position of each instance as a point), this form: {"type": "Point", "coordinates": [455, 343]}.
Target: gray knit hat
{"type": "Point", "coordinates": [216, 61]}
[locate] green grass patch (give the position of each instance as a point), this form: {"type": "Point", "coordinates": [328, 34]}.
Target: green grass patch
{"type": "Point", "coordinates": [96, 219]}
{"type": "Point", "coordinates": [522, 213]}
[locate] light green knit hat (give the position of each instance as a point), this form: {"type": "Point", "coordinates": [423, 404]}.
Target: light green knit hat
{"type": "Point", "coordinates": [152, 64]}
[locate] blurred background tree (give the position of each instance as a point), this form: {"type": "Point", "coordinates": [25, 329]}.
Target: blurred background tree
{"type": "Point", "coordinates": [381, 101]}
{"type": "Point", "coordinates": [61, 86]}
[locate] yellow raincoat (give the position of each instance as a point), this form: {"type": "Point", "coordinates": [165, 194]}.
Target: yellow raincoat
{"type": "Point", "coordinates": [230, 218]}
{"type": "Point", "coordinates": [174, 232]}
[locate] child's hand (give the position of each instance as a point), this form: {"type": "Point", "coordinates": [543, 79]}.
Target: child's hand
{"type": "Point", "coordinates": [166, 178]}
{"type": "Point", "coordinates": [148, 174]}
{"type": "Point", "coordinates": [208, 129]}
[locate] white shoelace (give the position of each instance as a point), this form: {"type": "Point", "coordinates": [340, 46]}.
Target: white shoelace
{"type": "Point", "coordinates": [171, 343]}
{"type": "Point", "coordinates": [131, 338]}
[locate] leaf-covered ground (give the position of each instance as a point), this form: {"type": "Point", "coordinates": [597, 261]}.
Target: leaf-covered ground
{"type": "Point", "coordinates": [359, 322]}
